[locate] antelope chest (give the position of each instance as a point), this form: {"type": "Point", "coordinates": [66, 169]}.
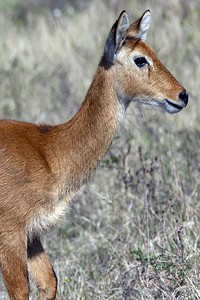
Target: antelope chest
{"type": "Point", "coordinates": [46, 220]}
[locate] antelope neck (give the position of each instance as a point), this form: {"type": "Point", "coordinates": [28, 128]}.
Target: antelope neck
{"type": "Point", "coordinates": [84, 140]}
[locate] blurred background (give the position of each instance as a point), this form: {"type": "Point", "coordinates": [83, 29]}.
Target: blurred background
{"type": "Point", "coordinates": [134, 232]}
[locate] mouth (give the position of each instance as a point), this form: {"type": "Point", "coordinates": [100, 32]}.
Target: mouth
{"type": "Point", "coordinates": [175, 104]}
{"type": "Point", "coordinates": [167, 105]}
{"type": "Point", "coordinates": [173, 107]}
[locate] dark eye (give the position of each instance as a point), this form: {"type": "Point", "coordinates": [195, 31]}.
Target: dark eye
{"type": "Point", "coordinates": [140, 61]}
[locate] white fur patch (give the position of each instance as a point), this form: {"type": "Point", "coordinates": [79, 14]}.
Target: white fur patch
{"type": "Point", "coordinates": [47, 219]}
{"type": "Point", "coordinates": [122, 112]}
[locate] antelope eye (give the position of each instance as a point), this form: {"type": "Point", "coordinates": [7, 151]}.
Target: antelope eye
{"type": "Point", "coordinates": [140, 61]}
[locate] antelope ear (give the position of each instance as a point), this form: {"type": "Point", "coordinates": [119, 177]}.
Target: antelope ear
{"type": "Point", "coordinates": [116, 37]}
{"type": "Point", "coordinates": [139, 29]}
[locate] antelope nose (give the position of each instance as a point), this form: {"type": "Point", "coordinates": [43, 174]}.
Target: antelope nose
{"type": "Point", "coordinates": [183, 96]}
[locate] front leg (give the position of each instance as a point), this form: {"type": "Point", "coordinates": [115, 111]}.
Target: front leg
{"type": "Point", "coordinates": [41, 270]}
{"type": "Point", "coordinates": [13, 263]}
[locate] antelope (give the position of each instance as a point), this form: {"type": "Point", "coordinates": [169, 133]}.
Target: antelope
{"type": "Point", "coordinates": [43, 167]}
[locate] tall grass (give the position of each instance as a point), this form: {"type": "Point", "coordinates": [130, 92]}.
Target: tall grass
{"type": "Point", "coordinates": [134, 232]}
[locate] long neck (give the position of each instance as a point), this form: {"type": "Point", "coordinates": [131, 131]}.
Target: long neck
{"type": "Point", "coordinates": [84, 140]}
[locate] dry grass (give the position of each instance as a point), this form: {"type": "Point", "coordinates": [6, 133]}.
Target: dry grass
{"type": "Point", "coordinates": [134, 232]}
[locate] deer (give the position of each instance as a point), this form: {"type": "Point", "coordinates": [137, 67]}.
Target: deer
{"type": "Point", "coordinates": [43, 167]}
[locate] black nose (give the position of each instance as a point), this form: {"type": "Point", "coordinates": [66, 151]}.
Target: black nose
{"type": "Point", "coordinates": [183, 96]}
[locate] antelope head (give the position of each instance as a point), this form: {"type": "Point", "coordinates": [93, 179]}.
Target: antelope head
{"type": "Point", "coordinates": [138, 73]}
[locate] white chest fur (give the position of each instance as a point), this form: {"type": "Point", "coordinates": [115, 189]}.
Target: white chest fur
{"type": "Point", "coordinates": [47, 219]}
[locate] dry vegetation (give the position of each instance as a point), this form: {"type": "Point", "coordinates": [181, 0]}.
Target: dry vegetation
{"type": "Point", "coordinates": [134, 233]}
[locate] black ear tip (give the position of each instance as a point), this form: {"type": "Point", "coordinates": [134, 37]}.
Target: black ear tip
{"type": "Point", "coordinates": [122, 13]}
{"type": "Point", "coordinates": [147, 11]}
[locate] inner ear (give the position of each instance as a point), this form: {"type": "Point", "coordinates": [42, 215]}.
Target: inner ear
{"type": "Point", "coordinates": [139, 29]}
{"type": "Point", "coordinates": [116, 37]}
{"type": "Point", "coordinates": [122, 26]}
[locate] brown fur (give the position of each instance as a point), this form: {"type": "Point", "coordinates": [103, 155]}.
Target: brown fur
{"type": "Point", "coordinates": [42, 167]}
